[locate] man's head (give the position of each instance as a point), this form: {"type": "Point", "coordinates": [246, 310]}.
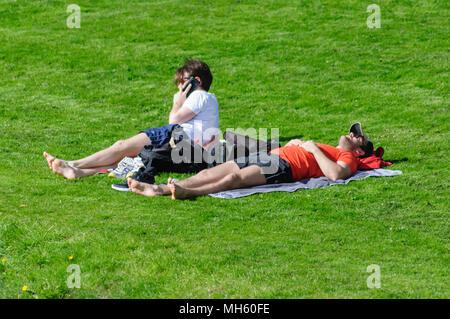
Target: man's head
{"type": "Point", "coordinates": [197, 69]}
{"type": "Point", "coordinates": [356, 142]}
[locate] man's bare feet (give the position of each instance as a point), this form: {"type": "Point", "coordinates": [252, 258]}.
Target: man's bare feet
{"type": "Point", "coordinates": [147, 189]}
{"type": "Point", "coordinates": [65, 170]}
{"type": "Point", "coordinates": [61, 167]}
{"type": "Point", "coordinates": [49, 159]}
{"type": "Point", "coordinates": [177, 191]}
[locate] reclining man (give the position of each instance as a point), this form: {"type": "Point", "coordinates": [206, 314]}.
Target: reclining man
{"type": "Point", "coordinates": [196, 114]}
{"type": "Point", "coordinates": [295, 161]}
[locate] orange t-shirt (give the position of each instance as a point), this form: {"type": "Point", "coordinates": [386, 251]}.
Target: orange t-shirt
{"type": "Point", "coordinates": [304, 165]}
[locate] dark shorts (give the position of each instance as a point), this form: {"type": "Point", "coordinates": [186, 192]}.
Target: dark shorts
{"type": "Point", "coordinates": [275, 169]}
{"type": "Point", "coordinates": [160, 135]}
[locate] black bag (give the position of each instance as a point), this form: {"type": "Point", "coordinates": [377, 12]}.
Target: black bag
{"type": "Point", "coordinates": [235, 146]}
{"type": "Point", "coordinates": [158, 160]}
{"type": "Point", "coordinates": [248, 144]}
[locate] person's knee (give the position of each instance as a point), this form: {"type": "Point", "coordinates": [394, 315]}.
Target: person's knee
{"type": "Point", "coordinates": [120, 145]}
{"type": "Point", "coordinates": [132, 146]}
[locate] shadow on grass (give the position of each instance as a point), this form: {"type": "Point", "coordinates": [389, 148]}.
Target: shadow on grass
{"type": "Point", "coordinates": [405, 159]}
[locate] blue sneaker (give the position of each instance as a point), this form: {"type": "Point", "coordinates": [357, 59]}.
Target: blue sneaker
{"type": "Point", "coordinates": [121, 187]}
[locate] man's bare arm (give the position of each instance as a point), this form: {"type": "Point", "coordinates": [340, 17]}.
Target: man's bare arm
{"type": "Point", "coordinates": [175, 108]}
{"type": "Point", "coordinates": [330, 169]}
{"type": "Point", "coordinates": [181, 116]}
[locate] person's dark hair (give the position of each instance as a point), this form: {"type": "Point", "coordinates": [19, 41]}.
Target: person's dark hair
{"type": "Point", "coordinates": [195, 68]}
{"type": "Point", "coordinates": [367, 148]}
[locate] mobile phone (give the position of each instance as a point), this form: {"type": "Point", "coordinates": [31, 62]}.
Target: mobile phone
{"type": "Point", "coordinates": [195, 85]}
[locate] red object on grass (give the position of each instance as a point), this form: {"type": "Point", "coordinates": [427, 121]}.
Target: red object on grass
{"type": "Point", "coordinates": [373, 161]}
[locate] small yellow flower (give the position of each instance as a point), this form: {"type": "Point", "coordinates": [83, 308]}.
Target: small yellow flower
{"type": "Point", "coordinates": [70, 257]}
{"type": "Point", "coordinates": [406, 287]}
{"type": "Point", "coordinates": [9, 247]}
{"type": "Point", "coordinates": [24, 288]}
{"type": "Point", "coordinates": [3, 260]}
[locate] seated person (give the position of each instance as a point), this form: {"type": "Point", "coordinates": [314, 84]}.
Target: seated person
{"type": "Point", "coordinates": [197, 115]}
{"type": "Point", "coordinates": [295, 161]}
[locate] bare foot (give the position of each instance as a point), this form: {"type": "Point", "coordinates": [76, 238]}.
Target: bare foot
{"type": "Point", "coordinates": [171, 186]}
{"type": "Point", "coordinates": [62, 168]}
{"type": "Point", "coordinates": [147, 189]}
{"type": "Point", "coordinates": [49, 159]}
{"type": "Point", "coordinates": [178, 192]}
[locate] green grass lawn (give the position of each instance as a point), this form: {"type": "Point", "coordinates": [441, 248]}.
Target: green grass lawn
{"type": "Point", "coordinates": [309, 68]}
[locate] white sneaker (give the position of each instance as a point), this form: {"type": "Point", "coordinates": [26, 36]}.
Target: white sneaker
{"type": "Point", "coordinates": [136, 166]}
{"type": "Point", "coordinates": [123, 168]}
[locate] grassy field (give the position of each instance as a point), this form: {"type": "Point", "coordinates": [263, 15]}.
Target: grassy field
{"type": "Point", "coordinates": [309, 68]}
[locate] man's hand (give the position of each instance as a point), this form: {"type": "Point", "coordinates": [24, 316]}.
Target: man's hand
{"type": "Point", "coordinates": [310, 146]}
{"type": "Point", "coordinates": [180, 97]}
{"type": "Point", "coordinates": [295, 142]}
{"type": "Point", "coordinates": [178, 114]}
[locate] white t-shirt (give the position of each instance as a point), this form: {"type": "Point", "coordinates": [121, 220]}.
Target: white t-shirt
{"type": "Point", "coordinates": [205, 124]}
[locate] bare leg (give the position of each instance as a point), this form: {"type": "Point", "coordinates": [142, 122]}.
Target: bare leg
{"type": "Point", "coordinates": [107, 158]}
{"type": "Point", "coordinates": [209, 175]}
{"type": "Point", "coordinates": [206, 176]}
{"type": "Point", "coordinates": [64, 169]}
{"type": "Point", "coordinates": [246, 177]}
{"type": "Point", "coordinates": [148, 189]}
{"type": "Point", "coordinates": [115, 153]}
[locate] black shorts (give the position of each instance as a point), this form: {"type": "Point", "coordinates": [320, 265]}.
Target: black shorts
{"type": "Point", "coordinates": [275, 169]}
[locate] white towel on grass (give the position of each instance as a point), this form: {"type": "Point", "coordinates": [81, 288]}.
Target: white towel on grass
{"type": "Point", "coordinates": [304, 184]}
